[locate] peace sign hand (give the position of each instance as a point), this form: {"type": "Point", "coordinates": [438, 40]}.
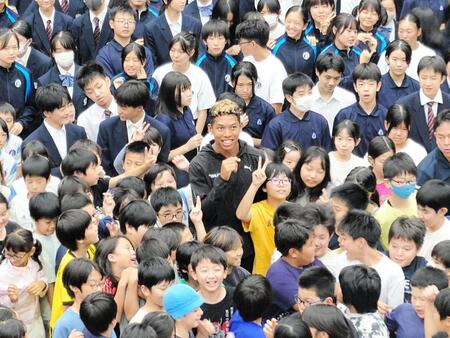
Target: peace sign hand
{"type": "Point", "coordinates": [196, 214]}
{"type": "Point", "coordinates": [259, 175]}
{"type": "Point", "coordinates": [139, 133]}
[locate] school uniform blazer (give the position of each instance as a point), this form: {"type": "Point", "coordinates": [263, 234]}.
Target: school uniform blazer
{"type": "Point", "coordinates": [157, 36]}
{"type": "Point", "coordinates": [80, 100]}
{"type": "Point", "coordinates": [192, 10]}
{"type": "Point", "coordinates": [73, 134]}
{"type": "Point", "coordinates": [76, 8]}
{"type": "Point", "coordinates": [419, 129]}
{"type": "Point", "coordinates": [84, 37]}
{"type": "Point", "coordinates": [38, 63]}
{"type": "Point", "coordinates": [7, 17]}
{"type": "Point", "coordinates": [445, 87]}
{"type": "Point", "coordinates": [40, 39]}
{"type": "Point", "coordinates": [112, 137]}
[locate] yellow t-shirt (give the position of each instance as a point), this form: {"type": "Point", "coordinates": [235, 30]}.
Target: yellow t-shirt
{"type": "Point", "coordinates": [60, 296]}
{"type": "Point", "coordinates": [386, 215]}
{"type": "Point", "coordinates": [262, 231]}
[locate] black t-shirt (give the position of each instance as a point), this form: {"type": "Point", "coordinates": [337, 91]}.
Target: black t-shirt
{"type": "Point", "coordinates": [220, 314]}
{"type": "Point", "coordinates": [98, 190]}
{"type": "Point", "coordinates": [236, 275]}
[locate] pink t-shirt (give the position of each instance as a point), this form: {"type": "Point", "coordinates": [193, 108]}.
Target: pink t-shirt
{"type": "Point", "coordinates": [383, 191]}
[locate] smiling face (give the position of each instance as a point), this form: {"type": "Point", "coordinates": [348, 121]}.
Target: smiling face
{"type": "Point", "coordinates": [294, 25]}
{"type": "Point", "coordinates": [368, 17]}
{"type": "Point", "coordinates": [234, 255]}
{"type": "Point", "coordinates": [226, 130]}
{"type": "Point", "coordinates": [402, 251]}
{"type": "Point", "coordinates": [132, 65]}
{"type": "Point", "coordinates": [209, 275]}
{"type": "Point", "coordinates": [278, 187]}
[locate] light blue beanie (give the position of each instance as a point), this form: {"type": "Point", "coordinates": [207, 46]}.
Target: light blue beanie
{"type": "Point", "coordinates": [181, 299]}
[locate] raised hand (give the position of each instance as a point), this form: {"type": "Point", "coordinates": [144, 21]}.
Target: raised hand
{"type": "Point", "coordinates": [194, 142]}
{"type": "Point", "coordinates": [181, 162]}
{"type": "Point", "coordinates": [139, 133]}
{"type": "Point", "coordinates": [259, 175]}
{"type": "Point", "coordinates": [196, 214]}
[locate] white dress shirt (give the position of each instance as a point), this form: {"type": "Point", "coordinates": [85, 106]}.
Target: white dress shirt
{"type": "Point", "coordinates": [91, 118]}
{"type": "Point", "coordinates": [70, 72]}
{"type": "Point", "coordinates": [101, 18]}
{"type": "Point", "coordinates": [175, 27]}
{"type": "Point", "coordinates": [424, 102]}
{"type": "Point", "coordinates": [46, 18]}
{"type": "Point", "coordinates": [132, 127]}
{"type": "Point", "coordinates": [204, 19]}
{"type": "Point", "coordinates": [59, 137]}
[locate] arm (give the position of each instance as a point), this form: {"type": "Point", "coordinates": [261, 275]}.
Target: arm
{"type": "Point", "coordinates": [131, 302]}
{"type": "Point", "coordinates": [193, 143]}
{"type": "Point", "coordinates": [201, 120]}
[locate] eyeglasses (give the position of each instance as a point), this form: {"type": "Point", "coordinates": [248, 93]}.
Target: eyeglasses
{"type": "Point", "coordinates": [280, 181]}
{"type": "Point", "coordinates": [299, 301]}
{"type": "Point", "coordinates": [170, 216]}
{"type": "Point", "coordinates": [13, 257]}
{"type": "Point", "coordinates": [411, 181]}
{"type": "Point", "coordinates": [125, 22]}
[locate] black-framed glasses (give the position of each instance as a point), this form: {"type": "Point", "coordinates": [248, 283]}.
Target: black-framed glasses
{"type": "Point", "coordinates": [299, 301]}
{"type": "Point", "coordinates": [280, 181]}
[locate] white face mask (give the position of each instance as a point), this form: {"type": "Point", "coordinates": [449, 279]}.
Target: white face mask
{"type": "Point", "coordinates": [64, 59]}
{"type": "Point", "coordinates": [271, 19]}
{"type": "Point", "coordinates": [303, 103]}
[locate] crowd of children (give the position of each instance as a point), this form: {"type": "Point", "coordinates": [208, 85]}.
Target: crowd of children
{"type": "Point", "coordinates": [225, 168]}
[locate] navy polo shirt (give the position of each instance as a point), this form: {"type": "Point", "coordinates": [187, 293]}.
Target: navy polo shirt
{"type": "Point", "coordinates": [433, 166]}
{"type": "Point", "coordinates": [390, 93]}
{"type": "Point", "coordinates": [312, 130]}
{"type": "Point", "coordinates": [7, 17]}
{"type": "Point", "coordinates": [260, 113]}
{"type": "Point", "coordinates": [296, 55]}
{"type": "Point", "coordinates": [370, 125]}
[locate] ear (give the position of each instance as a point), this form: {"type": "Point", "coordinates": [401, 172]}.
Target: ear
{"type": "Point", "coordinates": [209, 127]}
{"type": "Point", "coordinates": [32, 251]}
{"type": "Point", "coordinates": [292, 252]}
{"type": "Point", "coordinates": [443, 79]}
{"type": "Point", "coordinates": [354, 87]}
{"type": "Point", "coordinates": [334, 30]}
{"type": "Point", "coordinates": [386, 125]}
{"type": "Point", "coordinates": [378, 86]}
{"type": "Point", "coordinates": [361, 242]}
{"type": "Point", "coordinates": [419, 32]}
{"type": "Point", "coordinates": [112, 258]}
{"type": "Point", "coordinates": [111, 23]}
{"type": "Point", "coordinates": [74, 289]}
{"type": "Point", "coordinates": [357, 142]}
{"type": "Point", "coordinates": [370, 159]}
{"type": "Point", "coordinates": [193, 273]}
{"type": "Point", "coordinates": [317, 73]}
{"type": "Point", "coordinates": [145, 290]}
{"type": "Point", "coordinates": [328, 301]}
{"type": "Point", "coordinates": [191, 53]}
{"type": "Point", "coordinates": [443, 211]}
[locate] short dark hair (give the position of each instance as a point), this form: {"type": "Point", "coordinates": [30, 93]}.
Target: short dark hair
{"type": "Point", "coordinates": [291, 234]}
{"type": "Point", "coordinates": [319, 279]}
{"type": "Point", "coordinates": [135, 214]}
{"type": "Point", "coordinates": [408, 228]}
{"type": "Point", "coordinates": [361, 224]}
{"type": "Point", "coordinates": [138, 147]}
{"type": "Point", "coordinates": [215, 27]}
{"type": "Point", "coordinates": [153, 271]}
{"type": "Point", "coordinates": [51, 97]}
{"type": "Point", "coordinates": [137, 49]}
{"type": "Point", "coordinates": [76, 273]}
{"type": "Point", "coordinates": [254, 30]}
{"type": "Point", "coordinates": [161, 322]}
{"type": "Point", "coordinates": [78, 160]}
{"type": "Point", "coordinates": [133, 183]}
{"type": "Point", "coordinates": [132, 93]}
{"type": "Point", "coordinates": [150, 248]}
{"type": "Point", "coordinates": [97, 312]}
{"type": "Point", "coordinates": [36, 165]}
{"type": "Point", "coordinates": [223, 237]}
{"type": "Point", "coordinates": [354, 196]}
{"type": "Point", "coordinates": [44, 205]}
{"type": "Point", "coordinates": [7, 108]}
{"type": "Point", "coordinates": [12, 328]}
{"type": "Point", "coordinates": [155, 172]}
{"type": "Point", "coordinates": [292, 327]}
{"type": "Point", "coordinates": [441, 253]}
{"type": "Point", "coordinates": [247, 69]}
{"type": "Point", "coordinates": [327, 61]}
{"type": "Point", "coordinates": [329, 319]}
{"type": "Point", "coordinates": [361, 287]}
{"type": "Point", "coordinates": [436, 63]}
{"type": "Point", "coordinates": [71, 185]}
{"type": "Point", "coordinates": [442, 303]}
{"type": "Point", "coordinates": [397, 115]}
{"type": "Point", "coordinates": [314, 214]}
{"type": "Point", "coordinates": [366, 71]}
{"type": "Point", "coordinates": [295, 80]}
{"type": "Point", "coordinates": [88, 72]}
{"type": "Point", "coordinates": [443, 116]}
{"type": "Point", "coordinates": [76, 200]}
{"type": "Point", "coordinates": [429, 275]}
{"type": "Point", "coordinates": [163, 197]}
{"type": "Point", "coordinates": [122, 8]}
{"type": "Point", "coordinates": [397, 164]}
{"type": "Point", "coordinates": [166, 235]}
{"type": "Point", "coordinates": [434, 194]}
{"type": "Point", "coordinates": [183, 257]}
{"type": "Point", "coordinates": [87, 144]}
{"type": "Point", "coordinates": [66, 41]}
{"type": "Point", "coordinates": [34, 147]}
{"type": "Point", "coordinates": [209, 253]}
{"type": "Point", "coordinates": [285, 211]}
{"type": "Point", "coordinates": [23, 28]}
{"type": "Point", "coordinates": [380, 145]}
{"type": "Point", "coordinates": [252, 296]}
{"type": "Point", "coordinates": [139, 330]}
{"type": "Point", "coordinates": [402, 46]}
{"type": "Point", "coordinates": [71, 227]}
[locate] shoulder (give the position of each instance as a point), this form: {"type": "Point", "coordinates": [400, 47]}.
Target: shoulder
{"type": "Point", "coordinates": [162, 128]}
{"type": "Point", "coordinates": [317, 117]}
{"type": "Point", "coordinates": [108, 123]}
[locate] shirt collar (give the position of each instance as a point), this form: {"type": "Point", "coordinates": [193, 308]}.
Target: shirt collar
{"type": "Point", "coordinates": [316, 94]}
{"type": "Point", "coordinates": [101, 16]}
{"type": "Point", "coordinates": [138, 123]}
{"type": "Point", "coordinates": [70, 72]}
{"type": "Point", "coordinates": [202, 5]}
{"type": "Point", "coordinates": [294, 118]}
{"type": "Point", "coordinates": [46, 18]}
{"type": "Point", "coordinates": [425, 99]}
{"type": "Point", "coordinates": [374, 112]}
{"type": "Point", "coordinates": [392, 84]}
{"type": "Point", "coordinates": [179, 21]}
{"type": "Point", "coordinates": [53, 130]}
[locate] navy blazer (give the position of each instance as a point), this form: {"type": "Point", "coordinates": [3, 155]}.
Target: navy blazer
{"type": "Point", "coordinates": [445, 87]}
{"type": "Point", "coordinates": [84, 37]}
{"type": "Point", "coordinates": [76, 8]}
{"type": "Point", "coordinates": [112, 137]}
{"type": "Point", "coordinates": [73, 134]}
{"type": "Point", "coordinates": [40, 39]}
{"type": "Point", "coordinates": [80, 101]}
{"type": "Point", "coordinates": [419, 130]}
{"type": "Point", "coordinates": [157, 36]}
{"type": "Point", "coordinates": [38, 63]}
{"type": "Point", "coordinates": [192, 10]}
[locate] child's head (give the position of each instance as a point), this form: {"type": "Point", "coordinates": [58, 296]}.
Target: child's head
{"type": "Point", "coordinates": [175, 94]}
{"type": "Point", "coordinates": [70, 185]}
{"type": "Point", "coordinates": [441, 256]}
{"type": "Point", "coordinates": [136, 217]}
{"type": "Point", "coordinates": [81, 277]}
{"type": "Point", "coordinates": [98, 313]}
{"type": "Point", "coordinates": [400, 172]}
{"type": "Point", "coordinates": [174, 5]}
{"type": "Point", "coordinates": [19, 246]}
{"type": "Point", "coordinates": [432, 72]}
{"type": "Point", "coordinates": [398, 57]}
{"type": "Point", "coordinates": [9, 47]}
{"type": "Point", "coordinates": [63, 49]}
{"type": "Point", "coordinates": [252, 296]}
{"type": "Point", "coordinates": [36, 173]}
{"type": "Point", "coordinates": [182, 49]}
{"type": "Point", "coordinates": [113, 255]}
{"type": "Point", "coordinates": [228, 240]}
{"type": "Point", "coordinates": [4, 206]}
{"type": "Point", "coordinates": [365, 177]}
{"type": "Point", "coordinates": [92, 80]}
{"type": "Point", "coordinates": [132, 97]}
{"type": "Point", "coordinates": [358, 231]}
{"type": "Point", "coordinates": [183, 303]}
{"type": "Point", "coordinates": [209, 267]}
{"type": "Point", "coordinates": [346, 197]}
{"type": "Point", "coordinates": [329, 70]}
{"type": "Point", "coordinates": [244, 77]}
{"type": "Point", "coordinates": [294, 240]}
{"type": "Point", "coordinates": [4, 133]}
{"type": "Point", "coordinates": [344, 31]}
{"type": "Point", "coordinates": [133, 183]}
{"type": "Point", "coordinates": [7, 113]}
{"type": "Point", "coordinates": [215, 35]}
{"type": "Point", "coordinates": [133, 59]}
{"type": "Point", "coordinates": [410, 29]}
{"type": "Point", "coordinates": [297, 88]}
{"type": "Point", "coordinates": [346, 137]}
{"type": "Point", "coordinates": [316, 285]}
{"type": "Point", "coordinates": [140, 330]}
{"type": "Point", "coordinates": [442, 132]}
{"type": "Point", "coordinates": [160, 175]}
{"type": "Point", "coordinates": [366, 82]}
{"type": "Point", "coordinates": [421, 279]}
{"type": "Point", "coordinates": [78, 200]}
{"type": "Point", "coordinates": [168, 205]}
{"type": "Point", "coordinates": [318, 11]}
{"type": "Point", "coordinates": [406, 237]}
{"type": "Point", "coordinates": [183, 259]}
{"type": "Point", "coordinates": [371, 14]}
{"type": "Point", "coordinates": [292, 327]}
{"type": "Point", "coordinates": [397, 124]}
{"type": "Point", "coordinates": [34, 147]}
{"type": "Point", "coordinates": [313, 172]}
{"type": "Point", "coordinates": [288, 153]}
{"type": "Point", "coordinates": [433, 203]}
{"type": "Point", "coordinates": [166, 235]}
{"type": "Point", "coordinates": [442, 305]}
{"type": "Point", "coordinates": [182, 230]}
{"type": "Point", "coordinates": [380, 148]}
{"type": "Point", "coordinates": [153, 247]}
{"type": "Point", "coordinates": [13, 328]}
{"type": "Point", "coordinates": [76, 229]}
{"type": "Point", "coordinates": [55, 103]}
{"type": "Point", "coordinates": [160, 322]}
{"type": "Point", "coordinates": [360, 288]}
{"type": "Point", "coordinates": [44, 210]}
{"type": "Point", "coordinates": [279, 181]}
{"type": "Point", "coordinates": [270, 10]}
{"type": "Point", "coordinates": [294, 22]}
{"type": "Point", "coordinates": [122, 20]}
{"type": "Point", "coordinates": [325, 320]}
{"type": "Point", "coordinates": [134, 155]}
{"type": "Point", "coordinates": [82, 163]}
{"type": "Point", "coordinates": [155, 276]}
{"type": "Point", "coordinates": [251, 34]}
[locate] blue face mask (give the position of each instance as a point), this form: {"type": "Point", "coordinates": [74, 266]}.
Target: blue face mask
{"type": "Point", "coordinates": [403, 191]}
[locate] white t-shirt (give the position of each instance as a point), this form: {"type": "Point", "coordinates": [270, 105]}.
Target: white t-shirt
{"type": "Point", "coordinates": [339, 169]}
{"type": "Point", "coordinates": [139, 316]}
{"type": "Point", "coordinates": [415, 150]}
{"type": "Point", "coordinates": [18, 187]}
{"type": "Point", "coordinates": [19, 212]}
{"type": "Point", "coordinates": [433, 238]}
{"type": "Point", "coordinates": [271, 74]}
{"type": "Point", "coordinates": [203, 96]}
